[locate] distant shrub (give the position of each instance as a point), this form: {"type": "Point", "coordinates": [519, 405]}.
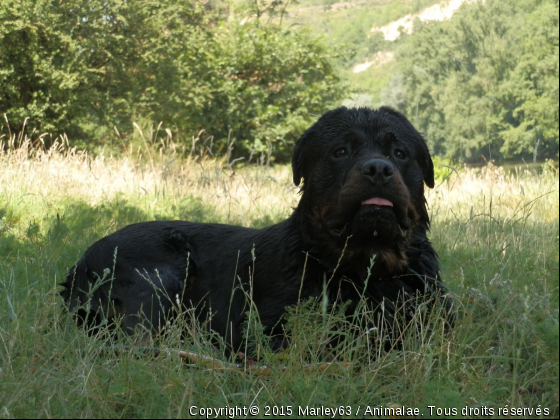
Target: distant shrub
{"type": "Point", "coordinates": [91, 69]}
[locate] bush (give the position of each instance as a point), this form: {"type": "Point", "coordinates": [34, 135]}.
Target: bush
{"type": "Point", "coordinates": [91, 68]}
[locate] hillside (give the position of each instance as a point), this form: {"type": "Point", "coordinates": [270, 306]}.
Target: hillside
{"type": "Point", "coordinates": [351, 23]}
{"type": "Point", "coordinates": [479, 78]}
{"type": "Point", "coordinates": [365, 31]}
{"type": "Point", "coordinates": [354, 28]}
{"type": "Point", "coordinates": [393, 30]}
{"type": "Point", "coordinates": [440, 11]}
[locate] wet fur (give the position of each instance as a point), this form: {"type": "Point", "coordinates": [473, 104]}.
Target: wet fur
{"type": "Point", "coordinates": [150, 267]}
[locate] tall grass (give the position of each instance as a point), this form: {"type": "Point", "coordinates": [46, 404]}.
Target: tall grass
{"type": "Point", "coordinates": [496, 234]}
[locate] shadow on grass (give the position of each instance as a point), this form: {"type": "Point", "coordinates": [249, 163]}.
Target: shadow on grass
{"type": "Point", "coordinates": [80, 224]}
{"type": "Point", "coordinates": [38, 253]}
{"type": "Point", "coordinates": [503, 348]}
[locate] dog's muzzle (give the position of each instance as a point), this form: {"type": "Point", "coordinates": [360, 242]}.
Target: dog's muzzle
{"type": "Point", "coordinates": [378, 171]}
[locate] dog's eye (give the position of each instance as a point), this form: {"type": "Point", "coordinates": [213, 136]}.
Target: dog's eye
{"type": "Point", "coordinates": [400, 154]}
{"type": "Point", "coordinates": [340, 153]}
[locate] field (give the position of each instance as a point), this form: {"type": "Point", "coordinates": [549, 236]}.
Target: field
{"type": "Point", "coordinates": [497, 235]}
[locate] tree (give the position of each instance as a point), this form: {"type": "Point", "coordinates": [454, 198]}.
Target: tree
{"type": "Point", "coordinates": [90, 67]}
{"type": "Point", "coordinates": [272, 82]}
{"type": "Point", "coordinates": [486, 81]}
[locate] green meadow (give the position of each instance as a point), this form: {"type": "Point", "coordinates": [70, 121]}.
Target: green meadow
{"type": "Point", "coordinates": [496, 234]}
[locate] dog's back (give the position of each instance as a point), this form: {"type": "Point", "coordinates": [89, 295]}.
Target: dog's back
{"type": "Point", "coordinates": [141, 273]}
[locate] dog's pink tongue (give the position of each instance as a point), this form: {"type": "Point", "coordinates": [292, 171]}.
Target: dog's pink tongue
{"type": "Point", "coordinates": [376, 201]}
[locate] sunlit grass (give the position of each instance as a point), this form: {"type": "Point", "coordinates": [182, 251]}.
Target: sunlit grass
{"type": "Point", "coordinates": [496, 234]}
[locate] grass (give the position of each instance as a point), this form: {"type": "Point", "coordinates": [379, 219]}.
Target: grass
{"type": "Point", "coordinates": [496, 234]}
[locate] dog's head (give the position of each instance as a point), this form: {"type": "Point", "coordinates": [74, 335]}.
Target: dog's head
{"type": "Point", "coordinates": [363, 173]}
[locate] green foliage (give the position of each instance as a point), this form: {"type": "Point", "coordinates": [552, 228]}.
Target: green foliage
{"type": "Point", "coordinates": [274, 82]}
{"type": "Point", "coordinates": [496, 235]}
{"type": "Point", "coordinates": [33, 81]}
{"type": "Point", "coordinates": [486, 81]}
{"type": "Point", "coordinates": [443, 168]}
{"type": "Point", "coordinates": [78, 65]}
{"type": "Point", "coordinates": [90, 68]}
{"type": "Point", "coordinates": [350, 24]}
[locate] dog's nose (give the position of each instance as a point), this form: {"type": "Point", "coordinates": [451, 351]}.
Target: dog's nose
{"type": "Point", "coordinates": [378, 171]}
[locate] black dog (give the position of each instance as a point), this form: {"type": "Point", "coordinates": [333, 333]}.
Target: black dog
{"type": "Point", "coordinates": [363, 175]}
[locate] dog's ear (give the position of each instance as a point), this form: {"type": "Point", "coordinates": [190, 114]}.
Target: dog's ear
{"type": "Point", "coordinates": [428, 168]}
{"type": "Point", "coordinates": [298, 159]}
